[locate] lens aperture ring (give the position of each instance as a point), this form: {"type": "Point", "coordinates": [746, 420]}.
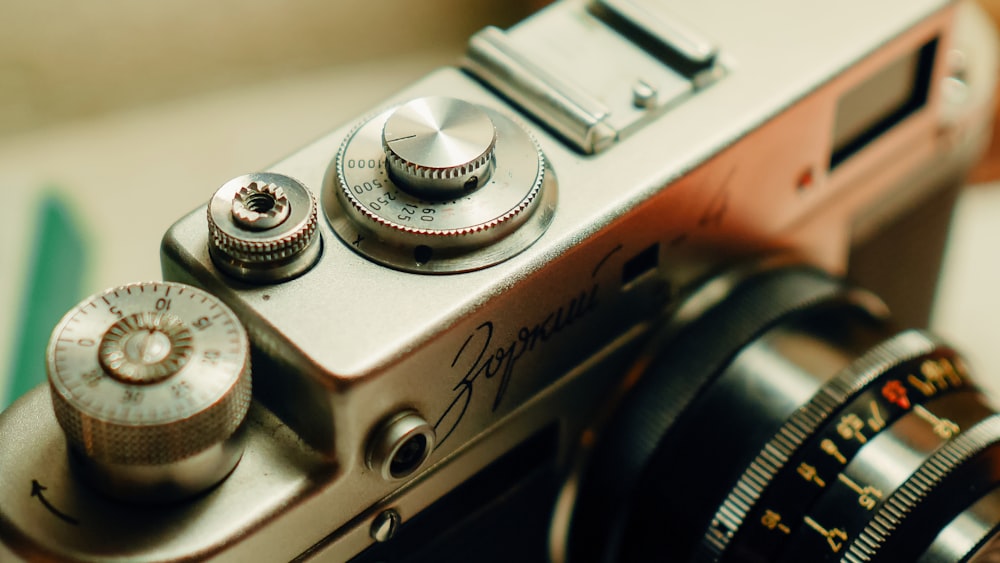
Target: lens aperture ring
{"type": "Point", "coordinates": [772, 496]}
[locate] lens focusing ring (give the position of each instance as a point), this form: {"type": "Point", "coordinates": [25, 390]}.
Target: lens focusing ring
{"type": "Point", "coordinates": [887, 362]}
{"type": "Point", "coordinates": [615, 475]}
{"type": "Point", "coordinates": [786, 424]}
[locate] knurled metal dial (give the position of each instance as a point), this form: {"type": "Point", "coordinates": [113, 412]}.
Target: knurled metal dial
{"type": "Point", "coordinates": [150, 383]}
{"type": "Point", "coordinates": [439, 148]}
{"type": "Point", "coordinates": [262, 228]}
{"type": "Point", "coordinates": [439, 185]}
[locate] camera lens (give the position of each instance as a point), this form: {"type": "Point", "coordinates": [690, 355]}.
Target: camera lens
{"type": "Point", "coordinates": [789, 422]}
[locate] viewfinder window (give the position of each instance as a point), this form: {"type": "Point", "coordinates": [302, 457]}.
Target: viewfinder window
{"type": "Point", "coordinates": [880, 102]}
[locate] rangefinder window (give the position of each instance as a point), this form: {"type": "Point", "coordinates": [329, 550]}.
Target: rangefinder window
{"type": "Point", "coordinates": [880, 102]}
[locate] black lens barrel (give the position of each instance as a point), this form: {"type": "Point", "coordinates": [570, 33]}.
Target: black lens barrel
{"type": "Point", "coordinates": [788, 422]}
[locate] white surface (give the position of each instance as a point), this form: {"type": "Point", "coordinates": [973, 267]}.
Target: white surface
{"type": "Point", "coordinates": [967, 311]}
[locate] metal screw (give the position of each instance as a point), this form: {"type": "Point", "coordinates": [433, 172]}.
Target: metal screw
{"type": "Point", "coordinates": [260, 206]}
{"type": "Point", "coordinates": [385, 525]}
{"type": "Point", "coordinates": [643, 95]}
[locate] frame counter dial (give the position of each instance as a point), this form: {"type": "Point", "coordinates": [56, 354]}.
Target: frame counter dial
{"type": "Point", "coordinates": [150, 382]}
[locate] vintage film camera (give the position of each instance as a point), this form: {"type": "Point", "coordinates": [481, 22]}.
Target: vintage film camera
{"type": "Point", "coordinates": [574, 299]}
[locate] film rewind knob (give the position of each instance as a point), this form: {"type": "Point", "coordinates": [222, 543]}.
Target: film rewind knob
{"type": "Point", "coordinates": [150, 383]}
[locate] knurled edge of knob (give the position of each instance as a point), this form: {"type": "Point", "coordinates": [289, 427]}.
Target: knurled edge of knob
{"type": "Point", "coordinates": [356, 204]}
{"type": "Point", "coordinates": [160, 444]}
{"type": "Point", "coordinates": [447, 173]}
{"type": "Point", "coordinates": [765, 467]}
{"type": "Point", "coordinates": [265, 251]}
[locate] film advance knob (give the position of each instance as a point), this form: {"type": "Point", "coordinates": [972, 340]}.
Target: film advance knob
{"type": "Point", "coordinates": [438, 147]}
{"type": "Point", "coordinates": [151, 383]}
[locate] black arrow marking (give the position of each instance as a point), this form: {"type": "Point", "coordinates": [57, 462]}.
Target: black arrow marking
{"type": "Point", "coordinates": [36, 491]}
{"type": "Point", "coordinates": [401, 138]}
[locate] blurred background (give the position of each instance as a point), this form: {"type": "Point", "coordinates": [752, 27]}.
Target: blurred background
{"type": "Point", "coordinates": [118, 117]}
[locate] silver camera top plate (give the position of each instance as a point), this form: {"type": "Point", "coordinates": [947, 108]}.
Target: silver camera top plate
{"type": "Point", "coordinates": [716, 173]}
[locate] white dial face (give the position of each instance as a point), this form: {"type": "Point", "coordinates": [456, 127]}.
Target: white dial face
{"type": "Point", "coordinates": [146, 354]}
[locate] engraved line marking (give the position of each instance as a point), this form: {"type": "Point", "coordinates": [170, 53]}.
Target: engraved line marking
{"type": "Point", "coordinates": [830, 448]}
{"type": "Point", "coordinates": [922, 386]}
{"type": "Point", "coordinates": [605, 259]}
{"type": "Point", "coordinates": [815, 525]}
{"type": "Point", "coordinates": [850, 483]}
{"type": "Point", "coordinates": [831, 535]}
{"type": "Point", "coordinates": [401, 138]}
{"type": "Point", "coordinates": [943, 427]}
{"type": "Point", "coordinates": [877, 421]}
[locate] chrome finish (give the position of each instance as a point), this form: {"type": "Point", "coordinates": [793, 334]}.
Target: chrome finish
{"type": "Point", "coordinates": [145, 347]}
{"type": "Point", "coordinates": [438, 147]}
{"type": "Point", "coordinates": [643, 95]}
{"type": "Point", "coordinates": [386, 215]}
{"type": "Point", "coordinates": [262, 228]}
{"type": "Point", "coordinates": [385, 525]}
{"type": "Point", "coordinates": [959, 539]}
{"type": "Point", "coordinates": [572, 112]}
{"type": "Point", "coordinates": [545, 66]}
{"type": "Point", "coordinates": [154, 412]}
{"type": "Point", "coordinates": [259, 207]}
{"type": "Point", "coordinates": [400, 445]}
{"type": "Point", "coordinates": [653, 19]}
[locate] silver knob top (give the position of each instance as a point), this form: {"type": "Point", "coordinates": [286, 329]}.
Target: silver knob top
{"type": "Point", "coordinates": [150, 383]}
{"type": "Point", "coordinates": [438, 147]}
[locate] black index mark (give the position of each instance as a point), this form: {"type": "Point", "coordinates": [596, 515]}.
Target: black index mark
{"type": "Point", "coordinates": [36, 491]}
{"type": "Point", "coordinates": [401, 138]}
{"type": "Point", "coordinates": [357, 241]}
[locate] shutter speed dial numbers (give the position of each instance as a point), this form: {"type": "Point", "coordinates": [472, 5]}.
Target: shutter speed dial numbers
{"type": "Point", "coordinates": [439, 185]}
{"type": "Point", "coordinates": [150, 382]}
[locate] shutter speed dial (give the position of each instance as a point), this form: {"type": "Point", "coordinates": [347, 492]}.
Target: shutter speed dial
{"type": "Point", "coordinates": [439, 148]}
{"type": "Point", "coordinates": [439, 185]}
{"type": "Point", "coordinates": [150, 382]}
